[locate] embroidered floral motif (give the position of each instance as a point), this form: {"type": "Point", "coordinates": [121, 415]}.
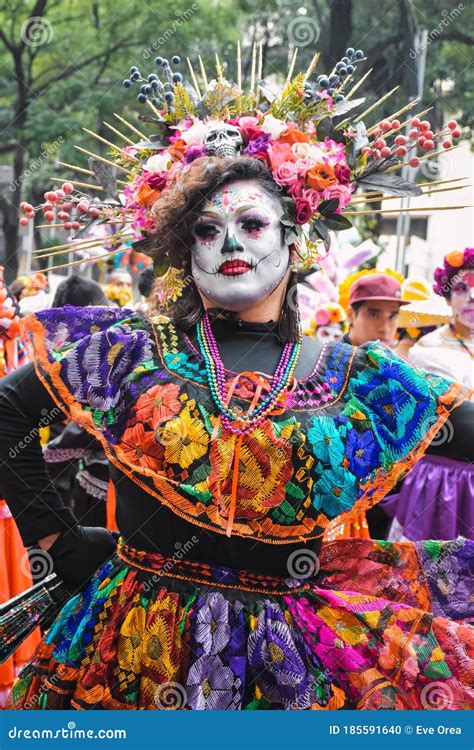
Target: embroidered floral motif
{"type": "Point", "coordinates": [264, 469]}
{"type": "Point", "coordinates": [140, 388]}
{"type": "Point", "coordinates": [229, 639]}
{"type": "Point", "coordinates": [212, 624]}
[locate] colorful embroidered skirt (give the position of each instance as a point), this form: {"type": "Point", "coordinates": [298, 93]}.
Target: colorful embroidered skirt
{"type": "Point", "coordinates": [380, 626]}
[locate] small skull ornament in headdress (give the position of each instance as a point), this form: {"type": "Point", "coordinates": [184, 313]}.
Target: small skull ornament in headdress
{"type": "Point", "coordinates": [223, 140]}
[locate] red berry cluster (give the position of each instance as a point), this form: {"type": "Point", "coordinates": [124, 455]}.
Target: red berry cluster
{"type": "Point", "coordinates": [63, 206]}
{"type": "Point", "coordinates": [419, 136]}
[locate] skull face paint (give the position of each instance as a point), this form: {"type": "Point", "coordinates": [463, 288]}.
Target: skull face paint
{"type": "Point", "coordinates": [239, 255]}
{"type": "Point", "coordinates": [462, 298]}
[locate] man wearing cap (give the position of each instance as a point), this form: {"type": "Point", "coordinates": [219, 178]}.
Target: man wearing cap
{"type": "Point", "coordinates": [374, 305]}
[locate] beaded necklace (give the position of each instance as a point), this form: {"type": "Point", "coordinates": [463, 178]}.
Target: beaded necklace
{"type": "Point", "coordinates": [459, 338]}
{"type": "Point", "coordinates": [280, 383]}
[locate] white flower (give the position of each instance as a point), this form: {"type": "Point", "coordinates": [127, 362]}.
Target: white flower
{"type": "Point", "coordinates": [273, 126]}
{"type": "Point", "coordinates": [197, 132]}
{"type": "Point", "coordinates": [301, 150]}
{"type": "Point", "coordinates": [159, 162]}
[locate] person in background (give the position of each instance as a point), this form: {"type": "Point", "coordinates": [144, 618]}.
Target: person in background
{"type": "Point", "coordinates": [118, 288]}
{"type": "Point", "coordinates": [146, 282]}
{"type": "Point", "coordinates": [79, 292]}
{"type": "Point", "coordinates": [374, 304]}
{"type": "Point", "coordinates": [435, 499]}
{"type": "Point", "coordinates": [15, 575]}
{"type": "Point", "coordinates": [328, 323]}
{"type": "Point", "coordinates": [449, 351]}
{"type": "Point", "coordinates": [375, 300]}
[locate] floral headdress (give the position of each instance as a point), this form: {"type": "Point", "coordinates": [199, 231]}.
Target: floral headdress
{"type": "Point", "coordinates": [330, 313]}
{"type": "Point", "coordinates": [457, 260]}
{"type": "Point", "coordinates": [316, 154]}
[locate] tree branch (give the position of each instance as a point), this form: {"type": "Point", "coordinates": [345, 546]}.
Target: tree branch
{"type": "Point", "coordinates": [73, 68]}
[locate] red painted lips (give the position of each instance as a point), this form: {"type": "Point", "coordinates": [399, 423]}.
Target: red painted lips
{"type": "Point", "coordinates": [234, 267]}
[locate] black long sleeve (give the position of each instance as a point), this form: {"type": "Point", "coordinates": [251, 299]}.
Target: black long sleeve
{"type": "Point", "coordinates": [25, 405]}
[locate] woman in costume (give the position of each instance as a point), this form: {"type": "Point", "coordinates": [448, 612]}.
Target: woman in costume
{"type": "Point", "coordinates": [15, 574]}
{"type": "Point", "coordinates": [449, 351]}
{"type": "Point", "coordinates": [436, 499]}
{"type": "Point", "coordinates": [327, 323]}
{"type": "Point", "coordinates": [235, 443]}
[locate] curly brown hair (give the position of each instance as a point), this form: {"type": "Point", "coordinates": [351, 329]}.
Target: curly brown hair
{"type": "Point", "coordinates": [176, 212]}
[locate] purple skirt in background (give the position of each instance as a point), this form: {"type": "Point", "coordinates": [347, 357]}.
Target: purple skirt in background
{"type": "Point", "coordinates": [436, 501]}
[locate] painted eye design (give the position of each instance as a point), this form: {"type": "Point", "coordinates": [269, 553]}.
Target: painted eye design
{"type": "Point", "coordinates": [253, 224]}
{"type": "Point", "coordinates": [460, 288]}
{"type": "Point", "coordinates": [205, 230]}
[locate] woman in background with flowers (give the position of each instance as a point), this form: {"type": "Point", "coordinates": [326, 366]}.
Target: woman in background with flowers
{"type": "Point", "coordinates": [449, 350]}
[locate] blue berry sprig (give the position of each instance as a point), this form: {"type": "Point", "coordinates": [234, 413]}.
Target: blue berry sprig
{"type": "Point", "coordinates": [343, 68]}
{"type": "Point", "coordinates": [152, 88]}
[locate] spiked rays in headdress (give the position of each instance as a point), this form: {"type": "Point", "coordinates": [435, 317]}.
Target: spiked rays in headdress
{"type": "Point", "coordinates": [328, 164]}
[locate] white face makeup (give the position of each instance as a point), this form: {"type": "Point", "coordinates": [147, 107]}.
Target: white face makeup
{"type": "Point", "coordinates": [239, 255]}
{"type": "Point", "coordinates": [330, 333]}
{"type": "Point", "coordinates": [462, 298]}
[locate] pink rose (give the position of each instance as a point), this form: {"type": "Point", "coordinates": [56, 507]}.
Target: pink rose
{"type": "Point", "coordinates": [286, 174]}
{"type": "Point", "coordinates": [279, 153]}
{"type": "Point", "coordinates": [343, 174]}
{"type": "Point", "coordinates": [155, 180]}
{"type": "Point", "coordinates": [303, 211]}
{"type": "Point", "coordinates": [249, 128]}
{"type": "Point", "coordinates": [297, 189]}
{"type": "Point", "coordinates": [341, 192]}
{"type": "Point", "coordinates": [313, 198]}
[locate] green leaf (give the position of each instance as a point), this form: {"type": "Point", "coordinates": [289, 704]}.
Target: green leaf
{"type": "Point", "coordinates": [326, 208]}
{"type": "Point", "coordinates": [325, 128]}
{"type": "Point", "coordinates": [321, 230]}
{"type": "Point", "coordinates": [337, 222]}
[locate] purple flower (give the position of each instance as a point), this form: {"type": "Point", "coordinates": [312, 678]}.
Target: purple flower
{"type": "Point", "coordinates": [363, 452]}
{"type": "Point", "coordinates": [212, 687]}
{"type": "Point", "coordinates": [276, 655]}
{"type": "Point", "coordinates": [193, 152]}
{"type": "Point", "coordinates": [212, 624]}
{"type": "Point", "coordinates": [257, 145]}
{"type": "Point", "coordinates": [97, 366]}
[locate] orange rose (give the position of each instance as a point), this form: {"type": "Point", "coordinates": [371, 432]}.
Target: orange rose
{"type": "Point", "coordinates": [292, 134]}
{"type": "Point", "coordinates": [147, 196]}
{"type": "Point", "coordinates": [321, 176]}
{"type": "Point", "coordinates": [455, 259]}
{"type": "Point", "coordinates": [177, 149]}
